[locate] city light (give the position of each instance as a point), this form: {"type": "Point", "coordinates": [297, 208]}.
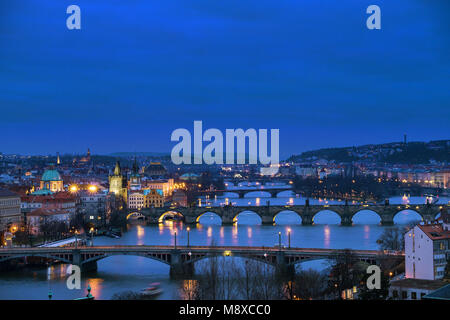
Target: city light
{"type": "Point", "coordinates": [93, 188]}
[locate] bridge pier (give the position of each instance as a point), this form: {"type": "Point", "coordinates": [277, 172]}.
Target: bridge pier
{"type": "Point", "coordinates": [346, 220]}
{"type": "Point", "coordinates": [307, 220]}
{"type": "Point", "coordinates": [178, 269]}
{"type": "Point", "coordinates": [389, 221]}
{"type": "Point", "coordinates": [190, 220]}
{"type": "Point", "coordinates": [90, 266]}
{"type": "Point", "coordinates": [282, 269]}
{"type": "Point", "coordinates": [267, 220]}
{"type": "Point", "coordinates": [227, 220]}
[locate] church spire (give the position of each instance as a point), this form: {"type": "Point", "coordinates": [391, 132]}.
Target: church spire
{"type": "Point", "coordinates": [58, 160]}
{"type": "Point", "coordinates": [117, 169]}
{"type": "Point", "coordinates": [135, 167]}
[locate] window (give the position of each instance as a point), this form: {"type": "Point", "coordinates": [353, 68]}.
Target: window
{"type": "Point", "coordinates": [395, 294]}
{"type": "Point", "coordinates": [422, 294]}
{"type": "Point", "coordinates": [404, 295]}
{"type": "Point", "coordinates": [413, 295]}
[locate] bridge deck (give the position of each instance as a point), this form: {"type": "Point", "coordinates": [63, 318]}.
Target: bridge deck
{"type": "Point", "coordinates": [215, 249]}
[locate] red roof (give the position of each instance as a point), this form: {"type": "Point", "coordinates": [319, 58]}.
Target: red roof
{"type": "Point", "coordinates": [435, 231]}
{"type": "Point", "coordinates": [55, 197]}
{"type": "Point", "coordinates": [46, 212]}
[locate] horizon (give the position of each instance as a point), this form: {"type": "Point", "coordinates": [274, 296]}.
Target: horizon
{"type": "Point", "coordinates": [163, 154]}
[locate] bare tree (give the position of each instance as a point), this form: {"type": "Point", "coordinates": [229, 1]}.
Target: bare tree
{"type": "Point", "coordinates": [310, 284]}
{"type": "Point", "coordinates": [391, 239]}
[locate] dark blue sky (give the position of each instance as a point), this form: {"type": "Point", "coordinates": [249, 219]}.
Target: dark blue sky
{"type": "Point", "coordinates": [140, 69]}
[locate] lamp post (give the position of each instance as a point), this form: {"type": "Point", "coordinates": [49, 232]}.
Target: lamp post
{"type": "Point", "coordinates": [91, 231]}
{"type": "Point", "coordinates": [289, 238]}
{"type": "Point", "coordinates": [279, 240]}
{"type": "Point", "coordinates": [76, 239]}
{"type": "Point", "coordinates": [188, 229]}
{"type": "Point", "coordinates": [175, 239]}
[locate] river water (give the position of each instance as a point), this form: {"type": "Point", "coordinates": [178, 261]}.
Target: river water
{"type": "Point", "coordinates": [121, 273]}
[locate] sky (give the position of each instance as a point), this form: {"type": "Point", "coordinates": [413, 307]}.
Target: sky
{"type": "Point", "coordinates": [137, 70]}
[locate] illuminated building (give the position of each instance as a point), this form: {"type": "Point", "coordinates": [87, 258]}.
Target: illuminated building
{"type": "Point", "coordinates": [166, 186]}
{"type": "Point", "coordinates": [135, 178]}
{"type": "Point", "coordinates": [155, 169]}
{"type": "Point", "coordinates": [10, 213]}
{"type": "Point", "coordinates": [135, 200]}
{"type": "Point", "coordinates": [179, 198]}
{"type": "Point", "coordinates": [51, 181]}
{"type": "Point", "coordinates": [117, 183]}
{"type": "Point", "coordinates": [153, 198]}
{"type": "Point", "coordinates": [427, 250]}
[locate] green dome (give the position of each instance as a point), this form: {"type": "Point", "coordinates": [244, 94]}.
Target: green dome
{"type": "Point", "coordinates": [51, 175]}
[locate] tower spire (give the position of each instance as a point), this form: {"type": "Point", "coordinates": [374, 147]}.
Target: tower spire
{"type": "Point", "coordinates": [117, 169]}
{"type": "Point", "coordinates": [135, 166]}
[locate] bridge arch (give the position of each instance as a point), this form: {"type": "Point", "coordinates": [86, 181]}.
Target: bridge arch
{"type": "Point", "coordinates": [287, 217]}
{"type": "Point", "coordinates": [258, 194]}
{"type": "Point", "coordinates": [170, 214]}
{"type": "Point", "coordinates": [155, 257]}
{"type": "Point", "coordinates": [406, 216]}
{"type": "Point", "coordinates": [261, 258]}
{"type": "Point", "coordinates": [135, 215]}
{"type": "Point", "coordinates": [326, 216]}
{"type": "Point", "coordinates": [366, 216]}
{"type": "Point", "coordinates": [209, 217]}
{"type": "Point", "coordinates": [247, 217]}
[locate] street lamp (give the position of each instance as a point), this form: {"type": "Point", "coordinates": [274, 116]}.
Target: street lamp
{"type": "Point", "coordinates": [188, 229]}
{"type": "Point", "coordinates": [76, 239]}
{"type": "Point", "coordinates": [175, 239]}
{"type": "Point", "coordinates": [91, 231]}
{"type": "Point", "coordinates": [279, 240]}
{"type": "Point", "coordinates": [289, 238]}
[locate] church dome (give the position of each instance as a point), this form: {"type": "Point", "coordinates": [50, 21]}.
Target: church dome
{"type": "Point", "coordinates": [51, 175]}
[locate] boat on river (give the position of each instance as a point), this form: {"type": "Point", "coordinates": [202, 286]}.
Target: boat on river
{"type": "Point", "coordinates": [152, 291]}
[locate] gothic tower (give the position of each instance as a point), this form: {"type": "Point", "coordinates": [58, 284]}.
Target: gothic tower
{"type": "Point", "coordinates": [117, 183]}
{"type": "Point", "coordinates": [135, 177]}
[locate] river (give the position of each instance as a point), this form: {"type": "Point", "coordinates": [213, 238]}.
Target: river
{"type": "Point", "coordinates": [121, 273]}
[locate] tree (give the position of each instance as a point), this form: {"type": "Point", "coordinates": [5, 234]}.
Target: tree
{"type": "Point", "coordinates": [346, 272]}
{"type": "Point", "coordinates": [393, 238]}
{"type": "Point", "coordinates": [310, 284]}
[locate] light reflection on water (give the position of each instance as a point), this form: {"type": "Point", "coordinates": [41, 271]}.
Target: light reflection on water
{"type": "Point", "coordinates": [121, 273]}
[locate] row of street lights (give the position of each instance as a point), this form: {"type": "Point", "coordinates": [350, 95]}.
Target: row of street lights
{"type": "Point", "coordinates": [279, 238]}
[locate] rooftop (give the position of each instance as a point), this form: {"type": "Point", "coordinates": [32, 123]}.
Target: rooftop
{"type": "Point", "coordinates": [435, 231]}
{"type": "Point", "coordinates": [442, 293]}
{"type": "Point", "coordinates": [418, 284]}
{"type": "Point", "coordinates": [6, 193]}
{"type": "Point", "coordinates": [51, 175]}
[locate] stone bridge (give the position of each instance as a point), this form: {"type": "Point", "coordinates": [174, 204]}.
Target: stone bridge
{"type": "Point", "coordinates": [267, 213]}
{"type": "Point", "coordinates": [181, 259]}
{"type": "Point", "coordinates": [274, 191]}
